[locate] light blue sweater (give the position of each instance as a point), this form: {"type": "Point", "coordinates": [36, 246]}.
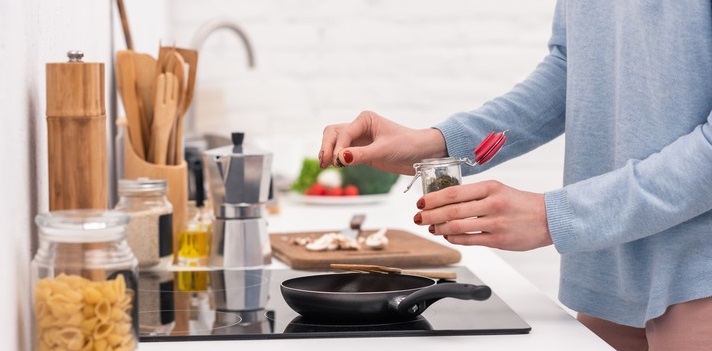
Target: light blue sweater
{"type": "Point", "coordinates": [630, 83]}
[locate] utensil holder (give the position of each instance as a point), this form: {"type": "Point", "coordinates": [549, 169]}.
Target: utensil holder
{"type": "Point", "coordinates": [175, 175]}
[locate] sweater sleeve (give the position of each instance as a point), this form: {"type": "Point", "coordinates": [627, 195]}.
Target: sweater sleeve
{"type": "Point", "coordinates": [642, 198]}
{"type": "Point", "coordinates": [532, 112]}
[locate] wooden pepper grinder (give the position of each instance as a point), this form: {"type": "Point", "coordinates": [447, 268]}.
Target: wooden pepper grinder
{"type": "Point", "coordinates": [76, 134]}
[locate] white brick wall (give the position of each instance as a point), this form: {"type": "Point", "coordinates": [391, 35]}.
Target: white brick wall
{"type": "Point", "coordinates": [320, 62]}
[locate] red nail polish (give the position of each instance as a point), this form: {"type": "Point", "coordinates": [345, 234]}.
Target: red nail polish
{"type": "Point", "coordinates": [431, 229]}
{"type": "Point", "coordinates": [421, 203]}
{"type": "Point", "coordinates": [418, 218]}
{"type": "Point", "coordinates": [321, 155]}
{"type": "Point", "coordinates": [348, 157]}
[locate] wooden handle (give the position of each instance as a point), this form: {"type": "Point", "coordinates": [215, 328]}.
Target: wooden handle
{"type": "Point", "coordinates": [434, 275]}
{"type": "Point", "coordinates": [125, 24]}
{"type": "Point", "coordinates": [76, 136]}
{"type": "Point", "coordinates": [372, 268]}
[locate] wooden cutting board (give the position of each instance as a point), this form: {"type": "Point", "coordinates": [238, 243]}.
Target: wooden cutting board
{"type": "Point", "coordinates": [404, 250]}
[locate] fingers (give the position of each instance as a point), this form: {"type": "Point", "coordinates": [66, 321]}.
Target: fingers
{"type": "Point", "coordinates": [468, 226]}
{"type": "Point", "coordinates": [481, 239]}
{"type": "Point", "coordinates": [458, 202]}
{"type": "Point", "coordinates": [328, 143]}
{"type": "Point", "coordinates": [337, 138]}
{"type": "Point", "coordinates": [486, 214]}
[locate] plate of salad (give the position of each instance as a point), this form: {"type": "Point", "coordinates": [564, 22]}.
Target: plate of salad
{"type": "Point", "coordinates": [360, 184]}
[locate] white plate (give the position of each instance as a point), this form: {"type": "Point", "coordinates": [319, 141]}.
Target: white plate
{"type": "Point", "coordinates": [338, 200]}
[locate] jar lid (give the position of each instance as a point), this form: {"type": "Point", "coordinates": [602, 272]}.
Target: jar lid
{"type": "Point", "coordinates": [445, 161]}
{"type": "Point", "coordinates": [141, 185]}
{"type": "Point", "coordinates": [83, 225]}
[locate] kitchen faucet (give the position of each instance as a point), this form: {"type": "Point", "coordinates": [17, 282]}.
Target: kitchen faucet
{"type": "Point", "coordinates": [201, 35]}
{"type": "Point", "coordinates": [194, 143]}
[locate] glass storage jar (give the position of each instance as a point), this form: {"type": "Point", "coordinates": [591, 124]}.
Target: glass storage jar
{"type": "Point", "coordinates": [150, 229]}
{"type": "Point", "coordinates": [439, 173]}
{"type": "Point", "coordinates": [84, 282]}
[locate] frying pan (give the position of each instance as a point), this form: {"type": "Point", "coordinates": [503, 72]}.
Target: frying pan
{"type": "Point", "coordinates": [362, 296]}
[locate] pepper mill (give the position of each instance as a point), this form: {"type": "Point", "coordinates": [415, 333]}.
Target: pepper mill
{"type": "Point", "coordinates": [76, 134]}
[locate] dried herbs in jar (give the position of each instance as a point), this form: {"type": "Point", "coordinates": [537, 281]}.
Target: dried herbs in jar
{"type": "Point", "coordinates": [441, 182]}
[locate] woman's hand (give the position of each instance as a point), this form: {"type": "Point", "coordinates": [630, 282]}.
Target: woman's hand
{"type": "Point", "coordinates": [487, 213]}
{"type": "Point", "coordinates": [378, 142]}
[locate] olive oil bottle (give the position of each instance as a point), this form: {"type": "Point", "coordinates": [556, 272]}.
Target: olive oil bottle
{"type": "Point", "coordinates": [195, 239]}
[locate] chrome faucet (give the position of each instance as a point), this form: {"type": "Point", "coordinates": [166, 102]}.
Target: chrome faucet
{"type": "Point", "coordinates": [195, 144]}
{"type": "Point", "coordinates": [201, 35]}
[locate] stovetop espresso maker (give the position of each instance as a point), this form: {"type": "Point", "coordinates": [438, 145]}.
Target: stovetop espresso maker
{"type": "Point", "coordinates": [239, 181]}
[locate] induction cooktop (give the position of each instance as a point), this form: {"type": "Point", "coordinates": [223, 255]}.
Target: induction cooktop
{"type": "Point", "coordinates": [185, 305]}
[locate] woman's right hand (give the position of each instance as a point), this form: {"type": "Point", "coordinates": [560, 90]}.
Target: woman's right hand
{"type": "Point", "coordinates": [380, 143]}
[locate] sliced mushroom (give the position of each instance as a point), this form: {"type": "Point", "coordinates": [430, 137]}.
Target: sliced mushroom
{"type": "Point", "coordinates": [377, 240]}
{"type": "Point", "coordinates": [332, 241]}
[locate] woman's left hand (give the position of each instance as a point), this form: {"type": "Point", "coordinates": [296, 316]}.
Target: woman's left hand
{"type": "Point", "coordinates": [486, 213]}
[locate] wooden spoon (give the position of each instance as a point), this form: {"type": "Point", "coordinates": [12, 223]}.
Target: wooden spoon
{"type": "Point", "coordinates": [371, 268]}
{"type": "Point", "coordinates": [126, 84]}
{"type": "Point", "coordinates": [176, 65]}
{"type": "Point", "coordinates": [190, 57]}
{"type": "Point", "coordinates": [165, 108]}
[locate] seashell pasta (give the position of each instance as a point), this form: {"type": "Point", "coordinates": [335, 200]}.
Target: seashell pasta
{"type": "Point", "coordinates": [77, 314]}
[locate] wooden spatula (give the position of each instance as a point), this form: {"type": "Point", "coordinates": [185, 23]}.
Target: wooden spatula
{"type": "Point", "coordinates": [126, 84]}
{"type": "Point", "coordinates": [165, 108]}
{"type": "Point", "coordinates": [145, 66]}
{"type": "Point", "coordinates": [372, 268]}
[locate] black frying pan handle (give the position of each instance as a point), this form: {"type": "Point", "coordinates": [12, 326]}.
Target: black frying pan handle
{"type": "Point", "coordinates": [415, 303]}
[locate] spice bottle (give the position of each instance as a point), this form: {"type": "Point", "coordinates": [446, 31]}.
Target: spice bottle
{"type": "Point", "coordinates": [150, 229]}
{"type": "Point", "coordinates": [84, 282]}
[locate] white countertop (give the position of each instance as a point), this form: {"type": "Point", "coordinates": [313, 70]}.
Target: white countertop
{"type": "Point", "coordinates": [552, 327]}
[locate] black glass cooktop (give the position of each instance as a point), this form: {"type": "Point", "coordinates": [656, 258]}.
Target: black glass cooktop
{"type": "Point", "coordinates": [183, 306]}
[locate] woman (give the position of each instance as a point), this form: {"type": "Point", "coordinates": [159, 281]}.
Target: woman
{"type": "Point", "coordinates": [630, 83]}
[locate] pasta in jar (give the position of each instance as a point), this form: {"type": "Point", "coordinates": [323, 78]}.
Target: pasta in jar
{"type": "Point", "coordinates": [83, 315]}
{"type": "Point", "coordinates": [84, 283]}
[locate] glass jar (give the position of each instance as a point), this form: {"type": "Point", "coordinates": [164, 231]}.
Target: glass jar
{"type": "Point", "coordinates": [84, 282]}
{"type": "Point", "coordinates": [150, 229]}
{"type": "Point", "coordinates": [439, 173]}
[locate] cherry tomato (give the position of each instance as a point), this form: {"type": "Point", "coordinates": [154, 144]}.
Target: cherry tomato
{"type": "Point", "coordinates": [334, 191]}
{"type": "Point", "coordinates": [316, 190]}
{"type": "Point", "coordinates": [351, 190]}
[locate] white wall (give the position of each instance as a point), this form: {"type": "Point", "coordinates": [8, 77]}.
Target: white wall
{"type": "Point", "coordinates": [32, 33]}
{"type": "Point", "coordinates": [318, 62]}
